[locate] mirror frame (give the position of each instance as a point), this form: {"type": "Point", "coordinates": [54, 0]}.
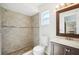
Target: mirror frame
{"type": "Point", "coordinates": [58, 24]}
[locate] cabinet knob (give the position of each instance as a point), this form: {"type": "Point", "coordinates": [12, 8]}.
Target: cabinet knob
{"type": "Point", "coordinates": [67, 50]}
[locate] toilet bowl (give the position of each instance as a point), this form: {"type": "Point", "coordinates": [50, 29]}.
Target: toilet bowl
{"type": "Point", "coordinates": [40, 49]}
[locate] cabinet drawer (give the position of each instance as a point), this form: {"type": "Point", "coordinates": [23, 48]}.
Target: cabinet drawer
{"type": "Point", "coordinates": [74, 51]}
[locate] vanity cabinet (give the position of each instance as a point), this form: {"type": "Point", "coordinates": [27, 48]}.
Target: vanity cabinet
{"type": "Point", "coordinates": [59, 49]}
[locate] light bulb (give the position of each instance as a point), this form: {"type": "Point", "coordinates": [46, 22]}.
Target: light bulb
{"type": "Point", "coordinates": [62, 4]}
{"type": "Point", "coordinates": [57, 6]}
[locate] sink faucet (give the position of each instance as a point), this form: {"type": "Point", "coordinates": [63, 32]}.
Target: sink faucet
{"type": "Point", "coordinates": [68, 38]}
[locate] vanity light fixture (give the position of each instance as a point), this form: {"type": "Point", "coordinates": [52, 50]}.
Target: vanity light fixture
{"type": "Point", "coordinates": [63, 5]}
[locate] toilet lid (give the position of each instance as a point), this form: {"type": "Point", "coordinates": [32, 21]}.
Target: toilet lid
{"type": "Point", "coordinates": [38, 48]}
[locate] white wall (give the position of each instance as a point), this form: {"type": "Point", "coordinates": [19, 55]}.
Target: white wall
{"type": "Point", "coordinates": [50, 29]}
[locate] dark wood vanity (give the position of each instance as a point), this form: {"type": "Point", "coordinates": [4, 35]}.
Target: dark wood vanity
{"type": "Point", "coordinates": [67, 25]}
{"type": "Point", "coordinates": [59, 49]}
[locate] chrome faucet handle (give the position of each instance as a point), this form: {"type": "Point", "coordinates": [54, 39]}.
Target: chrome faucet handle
{"type": "Point", "coordinates": [68, 38]}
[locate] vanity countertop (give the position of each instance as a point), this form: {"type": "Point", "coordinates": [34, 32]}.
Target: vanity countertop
{"type": "Point", "coordinates": [70, 43]}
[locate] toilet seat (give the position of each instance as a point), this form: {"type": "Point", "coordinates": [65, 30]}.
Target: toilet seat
{"type": "Point", "coordinates": [39, 50]}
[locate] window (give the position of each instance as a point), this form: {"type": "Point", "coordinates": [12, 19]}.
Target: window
{"type": "Point", "coordinates": [45, 18]}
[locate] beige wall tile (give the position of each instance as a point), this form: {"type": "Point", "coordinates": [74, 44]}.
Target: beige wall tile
{"type": "Point", "coordinates": [36, 36]}
{"type": "Point", "coordinates": [35, 26]}
{"type": "Point", "coordinates": [16, 19]}
{"type": "Point", "coordinates": [35, 20]}
{"type": "Point", "coordinates": [1, 14]}
{"type": "Point", "coordinates": [18, 32]}
{"type": "Point", "coordinates": [16, 38]}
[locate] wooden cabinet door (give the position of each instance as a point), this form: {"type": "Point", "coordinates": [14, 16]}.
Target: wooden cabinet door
{"type": "Point", "coordinates": [58, 49]}
{"type": "Point", "coordinates": [74, 51]}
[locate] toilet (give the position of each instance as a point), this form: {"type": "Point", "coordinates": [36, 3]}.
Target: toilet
{"type": "Point", "coordinates": [40, 49]}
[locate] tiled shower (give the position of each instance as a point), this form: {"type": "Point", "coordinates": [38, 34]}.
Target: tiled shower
{"type": "Point", "coordinates": [18, 32]}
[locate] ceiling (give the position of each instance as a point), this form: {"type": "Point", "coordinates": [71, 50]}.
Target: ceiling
{"type": "Point", "coordinates": [28, 9]}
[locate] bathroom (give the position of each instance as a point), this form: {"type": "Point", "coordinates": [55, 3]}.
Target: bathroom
{"type": "Point", "coordinates": [23, 28]}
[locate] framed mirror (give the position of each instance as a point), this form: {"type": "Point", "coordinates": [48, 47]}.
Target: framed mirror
{"type": "Point", "coordinates": [67, 21]}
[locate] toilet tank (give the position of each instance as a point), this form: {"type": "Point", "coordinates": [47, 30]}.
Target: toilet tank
{"type": "Point", "coordinates": [43, 41]}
